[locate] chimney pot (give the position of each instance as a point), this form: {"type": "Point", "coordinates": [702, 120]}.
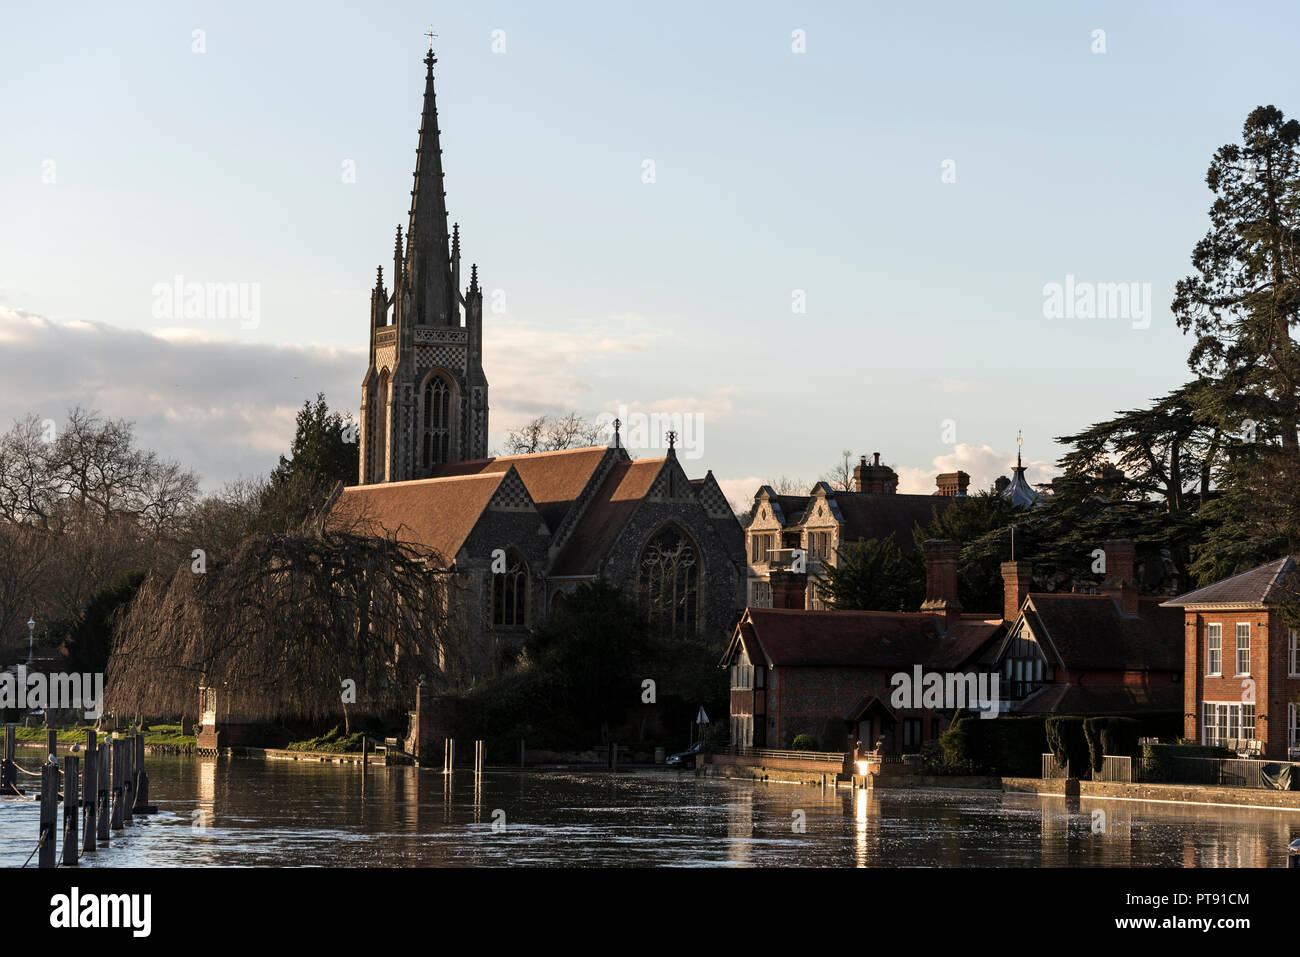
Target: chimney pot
{"type": "Point", "coordinates": [1015, 588]}
{"type": "Point", "coordinates": [941, 556]}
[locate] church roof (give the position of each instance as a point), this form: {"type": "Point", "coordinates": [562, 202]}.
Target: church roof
{"type": "Point", "coordinates": [553, 479]}
{"type": "Point", "coordinates": [614, 502]}
{"type": "Point", "coordinates": [437, 514]}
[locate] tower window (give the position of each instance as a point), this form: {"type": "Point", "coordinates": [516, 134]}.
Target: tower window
{"type": "Point", "coordinates": [436, 415]}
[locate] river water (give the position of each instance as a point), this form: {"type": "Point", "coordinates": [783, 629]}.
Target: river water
{"type": "Point", "coordinates": [290, 813]}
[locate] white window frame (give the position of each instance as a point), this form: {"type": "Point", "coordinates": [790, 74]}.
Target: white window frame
{"type": "Point", "coordinates": [1229, 721]}
{"type": "Point", "coordinates": [1213, 654]}
{"type": "Point", "coordinates": [1293, 727]}
{"type": "Point", "coordinates": [1237, 648]}
{"type": "Point", "coordinates": [1293, 653]}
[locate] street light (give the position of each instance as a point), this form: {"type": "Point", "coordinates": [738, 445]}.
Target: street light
{"type": "Point", "coordinates": [31, 633]}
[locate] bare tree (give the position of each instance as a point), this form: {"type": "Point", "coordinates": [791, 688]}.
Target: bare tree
{"type": "Point", "coordinates": [548, 433]}
{"type": "Point", "coordinates": [840, 475]}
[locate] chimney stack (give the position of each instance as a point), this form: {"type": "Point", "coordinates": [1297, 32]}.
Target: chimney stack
{"type": "Point", "coordinates": [941, 581]}
{"type": "Point", "coordinates": [789, 589]}
{"type": "Point", "coordinates": [1015, 588]}
{"type": "Point", "coordinates": [877, 478]}
{"type": "Point", "coordinates": [1120, 582]}
{"type": "Point", "coordinates": [952, 484]}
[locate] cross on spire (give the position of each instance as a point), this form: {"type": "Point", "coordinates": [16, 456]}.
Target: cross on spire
{"type": "Point", "coordinates": [672, 440]}
{"type": "Point", "coordinates": [431, 35]}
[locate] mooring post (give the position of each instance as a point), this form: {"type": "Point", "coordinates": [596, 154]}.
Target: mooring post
{"type": "Point", "coordinates": [128, 779]}
{"type": "Point", "coordinates": [47, 855]}
{"type": "Point", "coordinates": [365, 752]}
{"type": "Point", "coordinates": [448, 755]}
{"type": "Point", "coordinates": [521, 752]}
{"type": "Point", "coordinates": [52, 745]}
{"type": "Point", "coordinates": [117, 785]}
{"type": "Point", "coordinates": [103, 783]}
{"type": "Point", "coordinates": [478, 757]}
{"type": "Point", "coordinates": [91, 794]}
{"type": "Point", "coordinates": [8, 770]}
{"type": "Point", "coordinates": [71, 809]}
{"type": "Point", "coordinates": [142, 805]}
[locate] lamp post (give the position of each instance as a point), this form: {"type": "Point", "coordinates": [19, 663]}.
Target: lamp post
{"type": "Point", "coordinates": [31, 634]}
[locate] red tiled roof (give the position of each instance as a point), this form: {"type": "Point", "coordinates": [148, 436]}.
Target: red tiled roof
{"type": "Point", "coordinates": [1258, 586]}
{"type": "Point", "coordinates": [1090, 633]}
{"type": "Point", "coordinates": [610, 508]}
{"type": "Point", "coordinates": [436, 514]}
{"type": "Point", "coordinates": [553, 479]}
{"type": "Point", "coordinates": [863, 639]}
{"type": "Point", "coordinates": [1103, 699]}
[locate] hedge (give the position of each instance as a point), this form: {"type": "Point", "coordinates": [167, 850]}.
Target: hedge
{"type": "Point", "coordinates": [1005, 745]}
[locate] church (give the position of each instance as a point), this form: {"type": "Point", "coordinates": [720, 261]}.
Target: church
{"type": "Point", "coordinates": [518, 532]}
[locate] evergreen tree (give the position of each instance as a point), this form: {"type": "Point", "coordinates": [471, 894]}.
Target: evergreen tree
{"type": "Point", "coordinates": [873, 575]}
{"type": "Point", "coordinates": [324, 452]}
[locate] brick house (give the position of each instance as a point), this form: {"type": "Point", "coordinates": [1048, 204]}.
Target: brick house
{"type": "Point", "coordinates": [797, 671]}
{"type": "Point", "coordinates": [1243, 660]}
{"type": "Point", "coordinates": [1114, 652]}
{"type": "Point", "coordinates": [825, 519]}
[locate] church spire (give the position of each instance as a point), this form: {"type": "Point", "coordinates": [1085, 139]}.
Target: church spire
{"type": "Point", "coordinates": [426, 234]}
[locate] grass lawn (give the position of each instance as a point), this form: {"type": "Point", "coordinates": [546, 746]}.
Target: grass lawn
{"type": "Point", "coordinates": [158, 735]}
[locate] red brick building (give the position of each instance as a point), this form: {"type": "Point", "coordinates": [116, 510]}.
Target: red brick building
{"type": "Point", "coordinates": [1243, 661]}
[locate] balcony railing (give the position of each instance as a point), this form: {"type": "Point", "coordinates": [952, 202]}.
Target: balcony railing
{"type": "Point", "coordinates": [821, 757]}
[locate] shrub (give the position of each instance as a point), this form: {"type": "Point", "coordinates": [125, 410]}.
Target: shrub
{"type": "Point", "coordinates": [1068, 742]}
{"type": "Point", "coordinates": [805, 742]}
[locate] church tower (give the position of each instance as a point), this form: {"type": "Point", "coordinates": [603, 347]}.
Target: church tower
{"type": "Point", "coordinates": [424, 400]}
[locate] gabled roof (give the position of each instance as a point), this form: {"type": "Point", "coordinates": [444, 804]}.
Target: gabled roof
{"type": "Point", "coordinates": [435, 514]}
{"type": "Point", "coordinates": [553, 479]}
{"type": "Point", "coordinates": [876, 515]}
{"type": "Point", "coordinates": [859, 639]}
{"type": "Point", "coordinates": [1090, 633]}
{"type": "Point", "coordinates": [614, 502]}
{"type": "Point", "coordinates": [1103, 699]}
{"type": "Point", "coordinates": [1258, 586]}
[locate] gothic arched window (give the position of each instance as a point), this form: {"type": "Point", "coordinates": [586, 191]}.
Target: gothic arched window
{"type": "Point", "coordinates": [510, 593]}
{"type": "Point", "coordinates": [435, 422]}
{"type": "Point", "coordinates": [377, 434]}
{"type": "Point", "coordinates": [669, 583]}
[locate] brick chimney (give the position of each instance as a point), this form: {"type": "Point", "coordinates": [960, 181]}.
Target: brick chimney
{"type": "Point", "coordinates": [952, 484]}
{"type": "Point", "coordinates": [1015, 587]}
{"type": "Point", "coordinates": [875, 477]}
{"type": "Point", "coordinates": [941, 581]}
{"type": "Point", "coordinates": [789, 589]}
{"type": "Point", "coordinates": [1120, 582]}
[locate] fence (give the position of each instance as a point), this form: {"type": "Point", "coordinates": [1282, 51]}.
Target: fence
{"type": "Point", "coordinates": [1117, 768]}
{"type": "Point", "coordinates": [822, 757]}
{"type": "Point", "coordinates": [1232, 772]}
{"type": "Point", "coordinates": [1053, 771]}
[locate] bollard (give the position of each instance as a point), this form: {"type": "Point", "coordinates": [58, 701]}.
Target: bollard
{"type": "Point", "coordinates": [71, 810]}
{"type": "Point", "coordinates": [91, 794]}
{"type": "Point", "coordinates": [103, 786]}
{"type": "Point", "coordinates": [46, 856]}
{"type": "Point", "coordinates": [117, 785]}
{"type": "Point", "coordinates": [128, 779]}
{"type": "Point", "coordinates": [142, 805]}
{"type": "Point", "coordinates": [8, 770]}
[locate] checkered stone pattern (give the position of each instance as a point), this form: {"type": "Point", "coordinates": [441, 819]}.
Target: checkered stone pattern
{"type": "Point", "coordinates": [386, 358]}
{"type": "Point", "coordinates": [511, 496]}
{"type": "Point", "coordinates": [440, 357]}
{"type": "Point", "coordinates": [714, 502]}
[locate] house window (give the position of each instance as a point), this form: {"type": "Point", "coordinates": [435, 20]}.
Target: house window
{"type": "Point", "coordinates": [760, 594]}
{"type": "Point", "coordinates": [510, 593]}
{"type": "Point", "coordinates": [819, 545]}
{"type": "Point", "coordinates": [1293, 728]}
{"type": "Point", "coordinates": [760, 546]}
{"type": "Point", "coordinates": [1223, 720]}
{"type": "Point", "coordinates": [742, 677]}
{"type": "Point", "coordinates": [1214, 649]}
{"type": "Point", "coordinates": [1293, 654]}
{"type": "Point", "coordinates": [1243, 648]}
{"type": "Point", "coordinates": [911, 733]}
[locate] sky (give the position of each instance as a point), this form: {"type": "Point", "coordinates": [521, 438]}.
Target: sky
{"type": "Point", "coordinates": [797, 228]}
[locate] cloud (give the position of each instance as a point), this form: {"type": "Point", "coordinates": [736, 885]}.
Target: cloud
{"type": "Point", "coordinates": [983, 463]}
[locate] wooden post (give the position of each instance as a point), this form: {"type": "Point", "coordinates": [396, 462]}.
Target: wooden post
{"type": "Point", "coordinates": [91, 795]}
{"type": "Point", "coordinates": [448, 755]}
{"type": "Point", "coordinates": [52, 746]}
{"type": "Point", "coordinates": [117, 785]}
{"type": "Point", "coordinates": [128, 779]}
{"type": "Point", "coordinates": [521, 752]}
{"type": "Point", "coordinates": [142, 805]}
{"type": "Point", "coordinates": [103, 786]}
{"type": "Point", "coordinates": [478, 758]}
{"type": "Point", "coordinates": [47, 855]}
{"type": "Point", "coordinates": [365, 752]}
{"type": "Point", "coordinates": [71, 809]}
{"type": "Point", "coordinates": [8, 771]}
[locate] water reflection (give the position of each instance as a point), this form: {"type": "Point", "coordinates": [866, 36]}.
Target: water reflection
{"type": "Point", "coordinates": [312, 814]}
